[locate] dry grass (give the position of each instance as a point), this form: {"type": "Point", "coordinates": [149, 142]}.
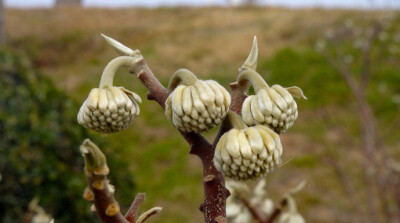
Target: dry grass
{"type": "Point", "coordinates": [208, 41]}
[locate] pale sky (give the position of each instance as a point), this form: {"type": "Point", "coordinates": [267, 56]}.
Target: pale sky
{"type": "Point", "coordinates": [155, 3]}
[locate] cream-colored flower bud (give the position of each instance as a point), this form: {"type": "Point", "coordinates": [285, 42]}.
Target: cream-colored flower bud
{"type": "Point", "coordinates": [110, 109]}
{"type": "Point", "coordinates": [271, 106]}
{"type": "Point", "coordinates": [245, 153]}
{"type": "Point", "coordinates": [195, 105]}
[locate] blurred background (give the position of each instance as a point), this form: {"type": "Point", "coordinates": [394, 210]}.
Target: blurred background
{"type": "Point", "coordinates": [343, 54]}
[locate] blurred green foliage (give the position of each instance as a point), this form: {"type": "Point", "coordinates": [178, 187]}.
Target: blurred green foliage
{"type": "Point", "coordinates": [39, 147]}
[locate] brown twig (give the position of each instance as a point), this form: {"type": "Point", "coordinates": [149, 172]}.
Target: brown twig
{"type": "Point", "coordinates": [132, 213]}
{"type": "Point", "coordinates": [366, 57]}
{"type": "Point", "coordinates": [372, 144]}
{"type": "Point", "coordinates": [99, 191]}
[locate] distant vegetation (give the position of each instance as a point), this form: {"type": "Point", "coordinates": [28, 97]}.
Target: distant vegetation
{"type": "Point", "coordinates": [39, 146]}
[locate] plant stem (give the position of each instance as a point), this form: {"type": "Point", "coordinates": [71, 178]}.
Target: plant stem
{"type": "Point", "coordinates": [108, 74]}
{"type": "Point", "coordinates": [98, 190]}
{"type": "Point", "coordinates": [254, 78]}
{"type": "Point", "coordinates": [235, 120]}
{"type": "Point", "coordinates": [183, 76]}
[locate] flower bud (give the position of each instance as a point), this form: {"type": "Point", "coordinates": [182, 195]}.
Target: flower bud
{"type": "Point", "coordinates": [248, 153]}
{"type": "Point", "coordinates": [109, 109]}
{"type": "Point", "coordinates": [272, 106]}
{"type": "Point", "coordinates": [196, 105]}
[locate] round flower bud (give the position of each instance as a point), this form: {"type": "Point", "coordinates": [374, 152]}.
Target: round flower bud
{"type": "Point", "coordinates": [271, 106]}
{"type": "Point", "coordinates": [195, 105]}
{"type": "Point", "coordinates": [109, 109]}
{"type": "Point", "coordinates": [248, 153]}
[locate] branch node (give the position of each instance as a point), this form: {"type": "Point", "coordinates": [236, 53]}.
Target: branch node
{"type": "Point", "coordinates": [150, 96]}
{"type": "Point", "coordinates": [104, 170]}
{"type": "Point", "coordinates": [98, 184]}
{"type": "Point", "coordinates": [138, 69]}
{"type": "Point", "coordinates": [233, 86]}
{"type": "Point", "coordinates": [88, 194]}
{"type": "Point", "coordinates": [202, 207]}
{"type": "Point", "coordinates": [209, 178]}
{"type": "Point", "coordinates": [220, 219]}
{"type": "Point", "coordinates": [227, 193]}
{"type": "Point", "coordinates": [113, 209]}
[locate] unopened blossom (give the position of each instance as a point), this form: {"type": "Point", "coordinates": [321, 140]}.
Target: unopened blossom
{"type": "Point", "coordinates": [110, 109]}
{"type": "Point", "coordinates": [273, 106]}
{"type": "Point", "coordinates": [195, 105]}
{"type": "Point", "coordinates": [248, 152]}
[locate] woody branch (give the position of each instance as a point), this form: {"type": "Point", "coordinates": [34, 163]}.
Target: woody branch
{"type": "Point", "coordinates": [101, 193]}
